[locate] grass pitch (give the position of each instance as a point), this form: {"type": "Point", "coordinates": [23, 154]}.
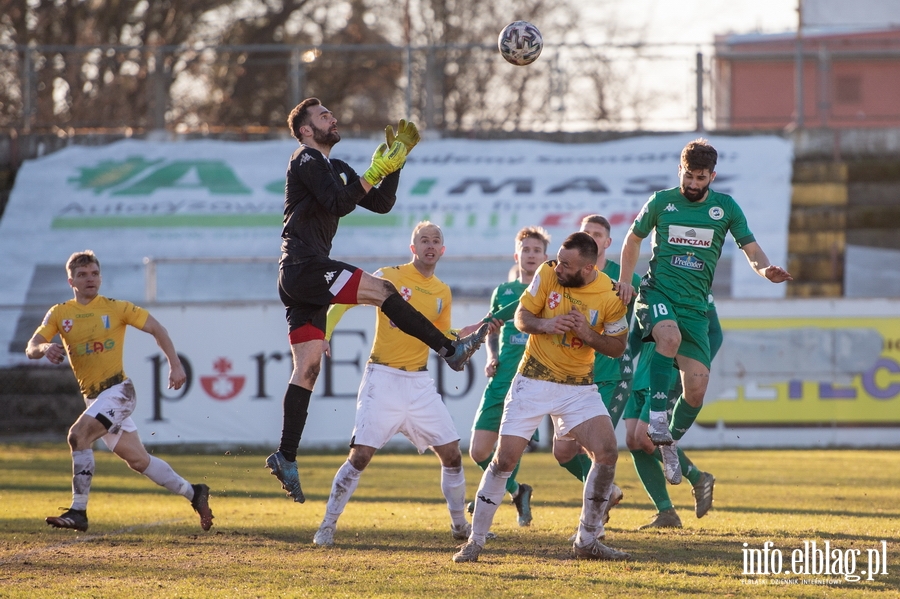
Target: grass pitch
{"type": "Point", "coordinates": [394, 540]}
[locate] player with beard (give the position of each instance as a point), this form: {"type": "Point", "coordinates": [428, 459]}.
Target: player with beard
{"type": "Point", "coordinates": [690, 223]}
{"type": "Point", "coordinates": [318, 192]}
{"type": "Point", "coordinates": [569, 311]}
{"type": "Point", "coordinates": [504, 351]}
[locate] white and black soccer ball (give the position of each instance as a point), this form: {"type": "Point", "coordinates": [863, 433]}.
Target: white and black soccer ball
{"type": "Point", "coordinates": [520, 43]}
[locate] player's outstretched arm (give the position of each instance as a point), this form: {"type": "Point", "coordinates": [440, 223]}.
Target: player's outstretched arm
{"type": "Point", "coordinates": [631, 251]}
{"type": "Point", "coordinates": [760, 263]}
{"type": "Point", "coordinates": [177, 376]}
{"type": "Point", "coordinates": [38, 347]}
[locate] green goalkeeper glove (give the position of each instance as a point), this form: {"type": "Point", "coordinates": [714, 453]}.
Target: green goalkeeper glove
{"type": "Point", "coordinates": [407, 132]}
{"type": "Point", "coordinates": [385, 161]}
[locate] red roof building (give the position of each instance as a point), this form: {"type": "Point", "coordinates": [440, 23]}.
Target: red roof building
{"type": "Point", "coordinates": [851, 79]}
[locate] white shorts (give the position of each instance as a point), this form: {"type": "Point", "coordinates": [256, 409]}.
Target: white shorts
{"type": "Point", "coordinates": [116, 405]}
{"type": "Point", "coordinates": [392, 401]}
{"type": "Point", "coordinates": [529, 400]}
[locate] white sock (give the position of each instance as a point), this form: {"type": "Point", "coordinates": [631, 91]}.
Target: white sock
{"type": "Point", "coordinates": [595, 503]}
{"type": "Point", "coordinates": [487, 499]}
{"type": "Point", "coordinates": [82, 474]}
{"type": "Point", "coordinates": [342, 487]}
{"type": "Point", "coordinates": [162, 474]}
{"type": "Point", "coordinates": [453, 486]}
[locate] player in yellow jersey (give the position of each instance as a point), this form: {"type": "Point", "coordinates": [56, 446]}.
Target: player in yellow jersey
{"type": "Point", "coordinates": [570, 310]}
{"type": "Point", "coordinates": [92, 329]}
{"type": "Point", "coordinates": [397, 395]}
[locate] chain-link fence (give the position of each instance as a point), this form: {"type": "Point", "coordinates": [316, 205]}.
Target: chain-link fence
{"type": "Point", "coordinates": [251, 88]}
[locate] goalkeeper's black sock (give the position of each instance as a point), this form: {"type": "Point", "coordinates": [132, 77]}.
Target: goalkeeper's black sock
{"type": "Point", "coordinates": [296, 408]}
{"type": "Point", "coordinates": [412, 322]}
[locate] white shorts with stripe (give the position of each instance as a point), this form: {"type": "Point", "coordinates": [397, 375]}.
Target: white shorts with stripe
{"type": "Point", "coordinates": [115, 405]}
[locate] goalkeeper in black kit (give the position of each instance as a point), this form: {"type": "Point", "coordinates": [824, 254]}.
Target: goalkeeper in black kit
{"type": "Point", "coordinates": [318, 192]}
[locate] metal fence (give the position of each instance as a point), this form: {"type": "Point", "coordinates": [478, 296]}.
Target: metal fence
{"type": "Point", "coordinates": [251, 88]}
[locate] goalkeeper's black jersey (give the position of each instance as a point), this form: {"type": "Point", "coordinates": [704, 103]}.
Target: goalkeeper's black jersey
{"type": "Point", "coordinates": [317, 193]}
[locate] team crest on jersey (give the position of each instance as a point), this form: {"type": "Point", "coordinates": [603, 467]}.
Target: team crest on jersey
{"type": "Point", "coordinates": [553, 300]}
{"type": "Point", "coordinates": [440, 304]}
{"type": "Point", "coordinates": [592, 318]}
{"type": "Point", "coordinates": [67, 325]}
{"type": "Point", "coordinates": [344, 178]}
{"type": "Point", "coordinates": [716, 213]}
{"type": "Point", "coordinates": [405, 292]}
{"type": "Point", "coordinates": [105, 319]}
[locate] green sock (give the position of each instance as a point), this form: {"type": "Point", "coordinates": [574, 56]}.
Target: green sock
{"type": "Point", "coordinates": [660, 381]}
{"type": "Point", "coordinates": [574, 467]}
{"type": "Point", "coordinates": [651, 475]}
{"type": "Point", "coordinates": [512, 486]}
{"type": "Point", "coordinates": [483, 464]}
{"type": "Point", "coordinates": [683, 416]}
{"type": "Point", "coordinates": [690, 472]}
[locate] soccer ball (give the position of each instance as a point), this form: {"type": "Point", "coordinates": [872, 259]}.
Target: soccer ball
{"type": "Point", "coordinates": [520, 43]}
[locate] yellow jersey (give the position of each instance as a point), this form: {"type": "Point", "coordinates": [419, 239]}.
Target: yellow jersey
{"type": "Point", "coordinates": [565, 358]}
{"type": "Point", "coordinates": [93, 335]}
{"type": "Point", "coordinates": [431, 297]}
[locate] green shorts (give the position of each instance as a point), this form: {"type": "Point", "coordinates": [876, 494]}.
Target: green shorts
{"type": "Point", "coordinates": [653, 307]}
{"type": "Point", "coordinates": [490, 410]}
{"type": "Point", "coordinates": [614, 398]}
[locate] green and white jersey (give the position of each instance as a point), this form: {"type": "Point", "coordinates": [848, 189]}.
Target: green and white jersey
{"type": "Point", "coordinates": [512, 340]}
{"type": "Point", "coordinates": [687, 242]}
{"type": "Point", "coordinates": [608, 369]}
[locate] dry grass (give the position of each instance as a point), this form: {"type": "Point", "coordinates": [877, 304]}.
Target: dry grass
{"type": "Point", "coordinates": [394, 541]}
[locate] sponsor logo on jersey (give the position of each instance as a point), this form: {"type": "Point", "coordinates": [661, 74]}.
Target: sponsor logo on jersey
{"type": "Point", "coordinates": [94, 347]}
{"type": "Point", "coordinates": [105, 319]}
{"type": "Point", "coordinates": [553, 300]}
{"type": "Point", "coordinates": [405, 292]}
{"type": "Point", "coordinates": [67, 325]}
{"type": "Point", "coordinates": [304, 158]}
{"type": "Point", "coordinates": [518, 339]}
{"type": "Point", "coordinates": [509, 292]}
{"type": "Point", "coordinates": [716, 213]}
{"type": "Point", "coordinates": [671, 208]}
{"type": "Point", "coordinates": [692, 236]}
{"type": "Point", "coordinates": [688, 262]}
{"type": "Point", "coordinates": [329, 275]}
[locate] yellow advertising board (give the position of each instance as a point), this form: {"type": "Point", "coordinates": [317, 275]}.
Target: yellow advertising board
{"type": "Point", "coordinates": [870, 398]}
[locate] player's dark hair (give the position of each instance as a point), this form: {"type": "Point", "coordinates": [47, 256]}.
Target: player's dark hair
{"type": "Point", "coordinates": [300, 116]}
{"type": "Point", "coordinates": [699, 155]}
{"type": "Point", "coordinates": [79, 259]}
{"type": "Point", "coordinates": [584, 243]}
{"type": "Point", "coordinates": [535, 232]}
{"type": "Point", "coordinates": [597, 220]}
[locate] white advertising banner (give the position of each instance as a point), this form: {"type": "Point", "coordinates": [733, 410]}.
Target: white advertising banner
{"type": "Point", "coordinates": [239, 362]}
{"type": "Point", "coordinates": [133, 199]}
